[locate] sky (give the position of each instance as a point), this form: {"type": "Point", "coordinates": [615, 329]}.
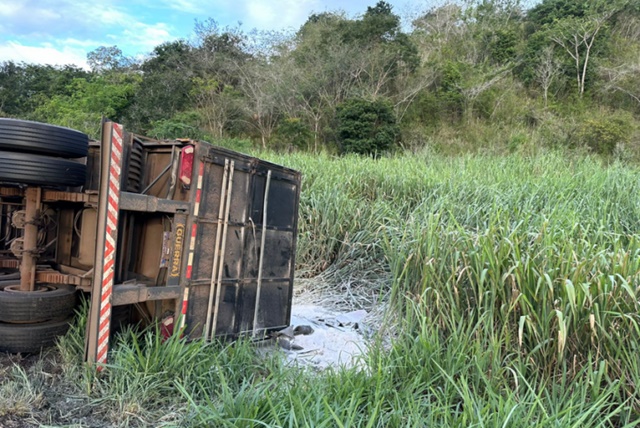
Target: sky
{"type": "Point", "coordinates": [59, 32]}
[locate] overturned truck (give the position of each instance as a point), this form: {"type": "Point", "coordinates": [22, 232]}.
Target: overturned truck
{"type": "Point", "coordinates": [197, 237]}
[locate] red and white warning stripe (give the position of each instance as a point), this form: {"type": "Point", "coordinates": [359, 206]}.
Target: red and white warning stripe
{"type": "Point", "coordinates": [113, 204]}
{"type": "Point", "coordinates": [192, 243]}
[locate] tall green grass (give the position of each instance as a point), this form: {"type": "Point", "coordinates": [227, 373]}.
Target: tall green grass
{"type": "Point", "coordinates": [542, 252]}
{"type": "Point", "coordinates": [514, 285]}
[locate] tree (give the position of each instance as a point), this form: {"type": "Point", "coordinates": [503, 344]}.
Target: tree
{"type": "Point", "coordinates": [11, 83]}
{"type": "Point", "coordinates": [579, 28]}
{"type": "Point", "coordinates": [167, 81]}
{"type": "Point", "coordinates": [334, 58]}
{"type": "Point", "coordinates": [218, 54]}
{"type": "Point", "coordinates": [108, 58]}
{"type": "Point", "coordinates": [577, 37]}
{"type": "Point", "coordinates": [367, 127]}
{"type": "Point", "coordinates": [219, 51]}
{"type": "Point", "coordinates": [437, 30]}
{"type": "Point", "coordinates": [24, 87]}
{"type": "Point", "coordinates": [301, 85]}
{"type": "Point", "coordinates": [620, 73]}
{"type": "Point", "coordinates": [88, 101]}
{"type": "Point", "coordinates": [547, 71]}
{"type": "Point", "coordinates": [217, 103]}
{"type": "Point", "coordinates": [259, 89]}
{"type": "Point", "coordinates": [548, 12]}
{"type": "Point", "coordinates": [476, 83]}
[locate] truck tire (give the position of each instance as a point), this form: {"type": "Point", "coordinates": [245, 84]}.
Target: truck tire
{"type": "Point", "coordinates": [40, 138]}
{"type": "Point", "coordinates": [9, 274]}
{"type": "Point", "coordinates": [31, 338]}
{"type": "Point", "coordinates": [25, 168]}
{"type": "Point", "coordinates": [58, 301]}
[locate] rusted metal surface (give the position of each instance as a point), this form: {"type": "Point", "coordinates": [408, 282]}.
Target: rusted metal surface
{"type": "Point", "coordinates": [161, 174]}
{"type": "Point", "coordinates": [66, 219]}
{"type": "Point", "coordinates": [53, 277]}
{"type": "Point", "coordinates": [30, 239]}
{"type": "Point", "coordinates": [58, 196]}
{"type": "Point", "coordinates": [87, 246]}
{"type": "Point", "coordinates": [161, 229]}
{"type": "Point", "coordinates": [212, 239]}
{"type": "Point", "coordinates": [125, 294]}
{"type": "Point", "coordinates": [9, 263]}
{"type": "Point", "coordinates": [10, 191]}
{"type": "Point", "coordinates": [144, 203]}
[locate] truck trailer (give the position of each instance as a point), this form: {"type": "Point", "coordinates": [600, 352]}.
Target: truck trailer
{"type": "Point", "coordinates": [197, 238]}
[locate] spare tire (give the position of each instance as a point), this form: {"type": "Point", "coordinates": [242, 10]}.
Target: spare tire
{"type": "Point", "coordinates": [40, 138]}
{"type": "Point", "coordinates": [52, 301]}
{"type": "Point", "coordinates": [31, 338]}
{"type": "Point", "coordinates": [24, 168]}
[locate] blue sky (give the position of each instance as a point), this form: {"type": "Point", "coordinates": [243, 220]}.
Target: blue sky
{"type": "Point", "coordinates": [63, 31]}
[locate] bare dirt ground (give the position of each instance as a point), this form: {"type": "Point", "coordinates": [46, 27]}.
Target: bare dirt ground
{"type": "Point", "coordinates": [19, 408]}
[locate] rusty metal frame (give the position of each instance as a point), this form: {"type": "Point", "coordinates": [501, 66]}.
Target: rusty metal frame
{"type": "Point", "coordinates": [49, 195]}
{"type": "Point", "coordinates": [32, 198]}
{"type": "Point", "coordinates": [55, 277]}
{"type": "Point", "coordinates": [126, 294]}
{"type": "Point", "coordinates": [163, 172]}
{"type": "Point", "coordinates": [9, 263]}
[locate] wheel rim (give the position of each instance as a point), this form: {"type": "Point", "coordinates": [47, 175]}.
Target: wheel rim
{"type": "Point", "coordinates": [38, 289]}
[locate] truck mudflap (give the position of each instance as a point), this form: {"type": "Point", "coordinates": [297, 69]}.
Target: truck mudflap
{"type": "Point", "coordinates": [212, 237]}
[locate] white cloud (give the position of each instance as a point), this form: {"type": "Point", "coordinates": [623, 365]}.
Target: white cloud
{"type": "Point", "coordinates": [277, 15]}
{"type": "Point", "coordinates": [10, 8]}
{"type": "Point", "coordinates": [147, 36]}
{"type": "Point", "coordinates": [64, 31]}
{"type": "Point", "coordinates": [45, 53]}
{"type": "Point", "coordinates": [187, 6]}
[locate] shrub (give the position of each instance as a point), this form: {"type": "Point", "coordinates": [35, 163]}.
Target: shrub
{"type": "Point", "coordinates": [366, 127]}
{"type": "Point", "coordinates": [293, 132]}
{"type": "Point", "coordinates": [602, 134]}
{"type": "Point", "coordinates": [182, 125]}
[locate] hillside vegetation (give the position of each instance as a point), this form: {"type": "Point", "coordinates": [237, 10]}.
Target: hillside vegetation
{"type": "Point", "coordinates": [457, 77]}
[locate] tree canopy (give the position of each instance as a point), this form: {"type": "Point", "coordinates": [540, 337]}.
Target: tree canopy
{"type": "Point", "coordinates": [460, 69]}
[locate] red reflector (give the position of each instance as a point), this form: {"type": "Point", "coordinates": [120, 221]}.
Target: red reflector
{"type": "Point", "coordinates": [186, 165]}
{"type": "Point", "coordinates": [166, 327]}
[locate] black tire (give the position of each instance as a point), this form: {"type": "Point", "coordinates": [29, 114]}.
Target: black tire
{"type": "Point", "coordinates": [9, 274]}
{"type": "Point", "coordinates": [58, 301]}
{"type": "Point", "coordinates": [25, 168]}
{"type": "Point", "coordinates": [31, 338]}
{"type": "Point", "coordinates": [40, 138]}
